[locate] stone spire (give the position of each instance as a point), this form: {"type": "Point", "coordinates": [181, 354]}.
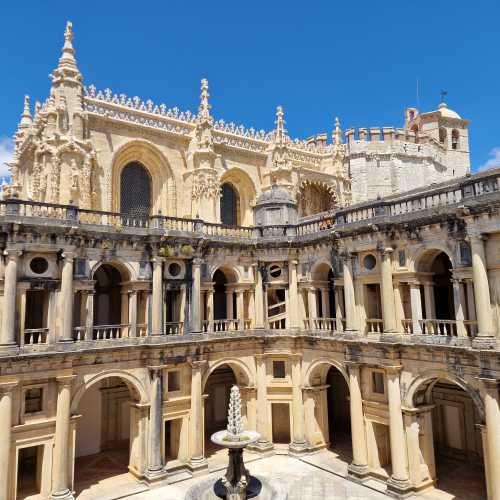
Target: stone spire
{"type": "Point", "coordinates": [280, 126]}
{"type": "Point", "coordinates": [204, 108]}
{"type": "Point", "coordinates": [67, 70]}
{"type": "Point", "coordinates": [26, 118]}
{"type": "Point", "coordinates": [337, 134]}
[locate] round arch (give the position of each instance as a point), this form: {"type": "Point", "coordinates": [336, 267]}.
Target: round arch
{"type": "Point", "coordinates": [124, 268]}
{"type": "Point", "coordinates": [245, 188]}
{"type": "Point", "coordinates": [134, 384]}
{"type": "Point", "coordinates": [323, 365]}
{"type": "Point", "coordinates": [241, 371]}
{"type": "Point", "coordinates": [431, 377]}
{"type": "Point", "coordinates": [158, 168]}
{"type": "Point", "coordinates": [424, 257]}
{"type": "Point", "coordinates": [231, 273]}
{"type": "Point", "coordinates": [321, 270]}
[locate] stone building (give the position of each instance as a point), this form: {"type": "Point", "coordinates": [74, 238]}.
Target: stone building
{"type": "Point", "coordinates": [151, 258]}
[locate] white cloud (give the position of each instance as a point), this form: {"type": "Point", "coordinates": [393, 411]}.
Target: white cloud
{"type": "Point", "coordinates": [6, 150]}
{"type": "Point", "coordinates": [493, 162]}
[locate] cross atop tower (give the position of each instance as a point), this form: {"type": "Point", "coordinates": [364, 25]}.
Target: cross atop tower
{"type": "Point", "coordinates": [443, 93]}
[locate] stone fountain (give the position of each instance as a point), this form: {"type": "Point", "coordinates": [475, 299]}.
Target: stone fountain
{"type": "Point", "coordinates": [237, 483]}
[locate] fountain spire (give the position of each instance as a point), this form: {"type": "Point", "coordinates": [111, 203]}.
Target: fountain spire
{"type": "Point", "coordinates": [234, 420]}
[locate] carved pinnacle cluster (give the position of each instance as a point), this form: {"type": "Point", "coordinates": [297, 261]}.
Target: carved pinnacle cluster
{"type": "Point", "coordinates": [234, 420]}
{"type": "Point", "coordinates": [204, 108]}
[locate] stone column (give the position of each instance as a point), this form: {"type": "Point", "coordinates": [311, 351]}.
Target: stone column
{"type": "Point", "coordinates": [430, 305]}
{"type": "Point", "coordinates": [302, 308]}
{"type": "Point", "coordinates": [312, 305]}
{"type": "Point", "coordinates": [264, 443]}
{"type": "Point", "coordinates": [66, 299]}
{"type": "Point", "coordinates": [325, 303]}
{"type": "Point", "coordinates": [229, 304]}
{"type": "Point", "coordinates": [60, 469]}
{"type": "Point", "coordinates": [416, 307]}
{"type": "Point", "coordinates": [259, 298]}
{"type": "Point", "coordinates": [196, 297]}
{"type": "Point", "coordinates": [240, 308]}
{"type": "Point", "coordinates": [387, 289]}
{"type": "Point", "coordinates": [22, 297]}
{"type": "Point", "coordinates": [471, 304]}
{"type": "Point", "coordinates": [398, 482]}
{"type": "Point", "coordinates": [398, 304]}
{"type": "Point", "coordinates": [8, 332]}
{"type": "Point", "coordinates": [481, 287]}
{"type": "Point", "coordinates": [293, 295]}
{"type": "Point", "coordinates": [459, 305]}
{"type": "Point", "coordinates": [155, 470]}
{"type": "Point", "coordinates": [157, 299]}
{"type": "Point", "coordinates": [89, 315]}
{"type": "Point", "coordinates": [124, 319]}
{"type": "Point", "coordinates": [298, 444]}
{"type": "Point", "coordinates": [251, 307]}
{"type": "Point", "coordinates": [210, 309]}
{"type": "Point", "coordinates": [338, 308]}
{"type": "Point", "coordinates": [132, 312]}
{"type": "Point", "coordinates": [197, 461]}
{"type": "Point", "coordinates": [492, 418]}
{"type": "Point", "coordinates": [350, 303]}
{"type": "Point", "coordinates": [359, 466]}
{"type": "Point", "coordinates": [6, 389]}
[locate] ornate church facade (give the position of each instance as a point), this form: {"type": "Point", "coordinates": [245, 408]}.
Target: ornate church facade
{"type": "Point", "coordinates": [151, 258]}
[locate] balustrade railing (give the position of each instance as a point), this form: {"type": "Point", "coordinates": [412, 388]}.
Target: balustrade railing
{"type": "Point", "coordinates": [374, 325]}
{"type": "Point", "coordinates": [109, 332]}
{"type": "Point", "coordinates": [327, 324]}
{"type": "Point", "coordinates": [407, 325]}
{"type": "Point", "coordinates": [442, 327]}
{"type": "Point", "coordinates": [470, 328]}
{"type": "Point", "coordinates": [33, 336]}
{"type": "Point", "coordinates": [174, 328]}
{"type": "Point", "coordinates": [141, 330]}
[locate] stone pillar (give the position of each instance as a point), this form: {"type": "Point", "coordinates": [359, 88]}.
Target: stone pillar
{"type": "Point", "coordinates": [251, 307]}
{"type": "Point", "coordinates": [155, 470]}
{"type": "Point", "coordinates": [398, 304]}
{"type": "Point", "coordinates": [298, 444]}
{"type": "Point", "coordinates": [229, 304]}
{"type": "Point", "coordinates": [338, 308]}
{"type": "Point", "coordinates": [350, 303]}
{"type": "Point", "coordinates": [196, 297]}
{"type": "Point", "coordinates": [481, 287]}
{"type": "Point", "coordinates": [210, 309]}
{"type": "Point", "coordinates": [124, 318]}
{"type": "Point", "coordinates": [8, 332]}
{"type": "Point", "coordinates": [197, 461]}
{"type": "Point", "coordinates": [89, 315]}
{"type": "Point", "coordinates": [398, 482]}
{"type": "Point", "coordinates": [325, 302]}
{"type": "Point", "coordinates": [157, 299]}
{"type": "Point", "coordinates": [132, 312]}
{"type": "Point", "coordinates": [416, 307]}
{"type": "Point", "coordinates": [60, 468]}
{"type": "Point", "coordinates": [312, 305]}
{"type": "Point", "coordinates": [6, 389]}
{"type": "Point", "coordinates": [22, 289]}
{"type": "Point", "coordinates": [293, 312]}
{"type": "Point", "coordinates": [459, 305]}
{"type": "Point", "coordinates": [264, 443]}
{"type": "Point", "coordinates": [66, 299]}
{"type": "Point", "coordinates": [259, 298]}
{"type": "Point", "coordinates": [492, 418]}
{"type": "Point", "coordinates": [430, 305]}
{"type": "Point", "coordinates": [471, 304]}
{"type": "Point", "coordinates": [387, 289]}
{"type": "Point", "coordinates": [359, 466]}
{"type": "Point", "coordinates": [240, 308]}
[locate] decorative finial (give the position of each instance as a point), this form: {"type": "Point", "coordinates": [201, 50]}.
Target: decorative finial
{"type": "Point", "coordinates": [204, 108]}
{"type": "Point", "coordinates": [68, 32]}
{"type": "Point", "coordinates": [26, 118]}
{"type": "Point", "coordinates": [280, 125]}
{"type": "Point", "coordinates": [443, 93]}
{"type": "Point", "coordinates": [234, 420]}
{"type": "Point", "coordinates": [337, 135]}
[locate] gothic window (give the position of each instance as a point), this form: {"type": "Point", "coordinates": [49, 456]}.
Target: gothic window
{"type": "Point", "coordinates": [135, 191]}
{"type": "Point", "coordinates": [454, 139]}
{"type": "Point", "coordinates": [314, 199]}
{"type": "Point", "coordinates": [229, 205]}
{"type": "Point", "coordinates": [442, 135]}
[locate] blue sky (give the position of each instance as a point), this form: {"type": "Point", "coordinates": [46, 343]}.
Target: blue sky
{"type": "Point", "coordinates": [358, 60]}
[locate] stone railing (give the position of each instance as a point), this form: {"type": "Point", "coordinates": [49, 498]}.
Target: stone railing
{"type": "Point", "coordinates": [374, 325]}
{"type": "Point", "coordinates": [174, 328]}
{"type": "Point", "coordinates": [33, 336]}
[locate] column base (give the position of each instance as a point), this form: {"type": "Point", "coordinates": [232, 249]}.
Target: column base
{"type": "Point", "coordinates": [197, 466]}
{"type": "Point", "coordinates": [153, 476]}
{"type": "Point", "coordinates": [263, 447]}
{"type": "Point", "coordinates": [399, 489]}
{"type": "Point", "coordinates": [298, 448]}
{"type": "Point", "coordinates": [357, 473]}
{"type": "Point", "coordinates": [485, 342]}
{"type": "Point", "coordinates": [62, 495]}
{"type": "Point", "coordinates": [64, 341]}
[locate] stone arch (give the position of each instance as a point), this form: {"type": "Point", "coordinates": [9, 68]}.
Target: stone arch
{"type": "Point", "coordinates": [134, 384]}
{"type": "Point", "coordinates": [231, 272]}
{"type": "Point", "coordinates": [315, 197]}
{"type": "Point", "coordinates": [423, 258]}
{"type": "Point", "coordinates": [323, 365]}
{"type": "Point", "coordinates": [241, 371]}
{"type": "Point", "coordinates": [163, 188]}
{"type": "Point", "coordinates": [246, 190]}
{"type": "Point", "coordinates": [321, 270]}
{"type": "Point", "coordinates": [429, 378]}
{"type": "Point", "coordinates": [124, 268]}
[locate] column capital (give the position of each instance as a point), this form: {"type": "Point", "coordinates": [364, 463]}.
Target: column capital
{"type": "Point", "coordinates": [476, 235]}
{"type": "Point", "coordinates": [156, 369]}
{"type": "Point", "coordinates": [386, 251]}
{"type": "Point", "coordinates": [296, 356]}
{"type": "Point", "coordinates": [293, 262]}
{"type": "Point", "coordinates": [12, 253]}
{"type": "Point", "coordinates": [8, 387]}
{"type": "Point", "coordinates": [198, 364]}
{"type": "Point", "coordinates": [156, 259]}
{"type": "Point", "coordinates": [197, 261]}
{"type": "Point", "coordinates": [489, 383]}
{"type": "Point", "coordinates": [417, 410]}
{"type": "Point", "coordinates": [65, 380]}
{"type": "Point", "coordinates": [352, 365]}
{"type": "Point", "coordinates": [392, 369]}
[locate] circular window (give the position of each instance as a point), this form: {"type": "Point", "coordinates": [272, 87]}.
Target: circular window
{"type": "Point", "coordinates": [174, 269]}
{"type": "Point", "coordinates": [275, 271]}
{"type": "Point", "coordinates": [369, 262]}
{"type": "Point", "coordinates": [39, 265]}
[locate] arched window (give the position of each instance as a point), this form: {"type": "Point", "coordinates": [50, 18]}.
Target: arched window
{"type": "Point", "coordinates": [442, 135]}
{"type": "Point", "coordinates": [229, 205]}
{"type": "Point", "coordinates": [135, 191]}
{"type": "Point", "coordinates": [455, 139]}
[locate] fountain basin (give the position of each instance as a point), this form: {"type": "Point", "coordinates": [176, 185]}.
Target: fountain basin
{"type": "Point", "coordinates": [222, 439]}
